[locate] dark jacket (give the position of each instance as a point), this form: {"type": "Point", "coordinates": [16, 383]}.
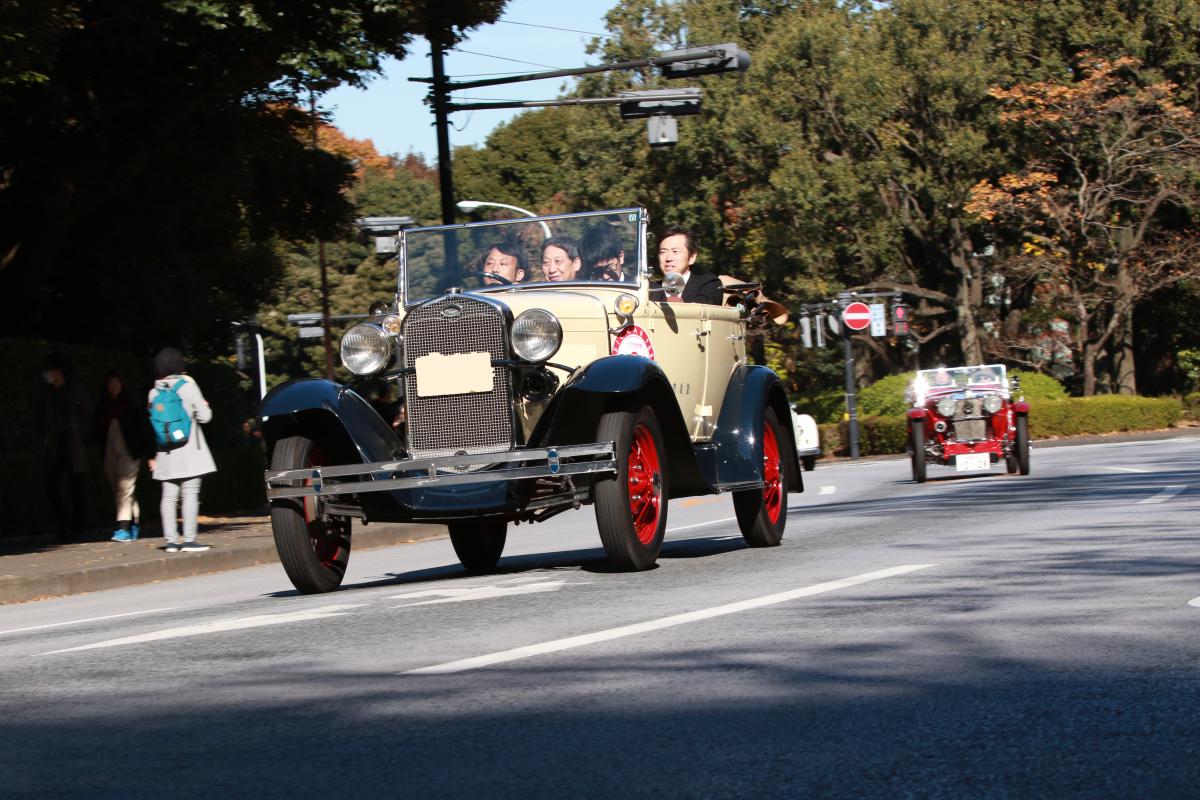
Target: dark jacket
{"type": "Point", "coordinates": [134, 422]}
{"type": "Point", "coordinates": [702, 287]}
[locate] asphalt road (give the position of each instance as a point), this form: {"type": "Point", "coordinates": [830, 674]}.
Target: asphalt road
{"type": "Point", "coordinates": [977, 636]}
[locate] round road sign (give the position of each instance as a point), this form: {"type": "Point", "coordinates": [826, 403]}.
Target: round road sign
{"type": "Point", "coordinates": [857, 316]}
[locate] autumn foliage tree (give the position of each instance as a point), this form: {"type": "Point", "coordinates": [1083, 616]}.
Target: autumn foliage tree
{"type": "Point", "coordinates": [1100, 213]}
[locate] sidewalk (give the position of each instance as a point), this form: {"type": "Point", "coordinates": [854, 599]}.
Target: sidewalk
{"type": "Point", "coordinates": [31, 571]}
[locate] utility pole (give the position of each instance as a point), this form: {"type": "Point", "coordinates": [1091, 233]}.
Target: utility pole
{"type": "Point", "coordinates": [439, 96]}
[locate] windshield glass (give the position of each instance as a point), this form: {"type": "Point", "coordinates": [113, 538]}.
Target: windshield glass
{"type": "Point", "coordinates": [604, 246]}
{"type": "Point", "coordinates": [945, 380]}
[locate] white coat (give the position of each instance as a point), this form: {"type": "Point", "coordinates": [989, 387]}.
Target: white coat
{"type": "Point", "coordinates": [194, 458]}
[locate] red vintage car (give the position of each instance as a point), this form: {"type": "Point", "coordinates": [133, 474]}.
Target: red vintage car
{"type": "Point", "coordinates": [966, 417]}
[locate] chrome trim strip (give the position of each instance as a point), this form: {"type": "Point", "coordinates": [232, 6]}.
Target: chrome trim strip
{"type": "Point", "coordinates": [319, 476]}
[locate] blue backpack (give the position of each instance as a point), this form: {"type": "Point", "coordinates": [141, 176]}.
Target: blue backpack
{"type": "Point", "coordinates": [170, 420]}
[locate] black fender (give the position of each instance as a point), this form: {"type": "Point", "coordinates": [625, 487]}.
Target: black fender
{"type": "Point", "coordinates": [329, 412]}
{"type": "Point", "coordinates": [737, 444]}
{"type": "Point", "coordinates": [623, 382]}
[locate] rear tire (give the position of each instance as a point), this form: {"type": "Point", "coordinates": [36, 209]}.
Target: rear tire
{"type": "Point", "coordinates": [809, 463]}
{"type": "Point", "coordinates": [918, 450]}
{"type": "Point", "coordinates": [478, 545]}
{"type": "Point", "coordinates": [762, 513]}
{"type": "Point", "coordinates": [631, 507]}
{"type": "Point", "coordinates": [314, 553]}
{"type": "Point", "coordinates": [1023, 444]}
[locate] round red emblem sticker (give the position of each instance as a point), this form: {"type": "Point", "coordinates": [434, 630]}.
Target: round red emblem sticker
{"type": "Point", "coordinates": [633, 341]}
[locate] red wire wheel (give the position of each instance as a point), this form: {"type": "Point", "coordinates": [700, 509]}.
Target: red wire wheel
{"type": "Point", "coordinates": [762, 513]}
{"type": "Point", "coordinates": [314, 551]}
{"type": "Point", "coordinates": [631, 506]}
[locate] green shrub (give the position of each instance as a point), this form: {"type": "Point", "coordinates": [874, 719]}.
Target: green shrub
{"type": "Point", "coordinates": [885, 397]}
{"type": "Point", "coordinates": [823, 407]}
{"type": "Point", "coordinates": [831, 438]}
{"type": "Point", "coordinates": [1104, 414]}
{"type": "Point", "coordinates": [1036, 386]}
{"type": "Point", "coordinates": [1191, 406]}
{"type": "Point", "coordinates": [876, 436]}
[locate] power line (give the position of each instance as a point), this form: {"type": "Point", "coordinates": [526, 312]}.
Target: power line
{"type": "Point", "coordinates": [502, 58]}
{"type": "Point", "coordinates": [552, 28]}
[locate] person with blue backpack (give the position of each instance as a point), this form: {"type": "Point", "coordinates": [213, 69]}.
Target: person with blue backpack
{"type": "Point", "coordinates": [177, 410]}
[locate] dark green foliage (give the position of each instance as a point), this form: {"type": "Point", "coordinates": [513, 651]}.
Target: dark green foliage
{"type": "Point", "coordinates": [824, 407]}
{"type": "Point", "coordinates": [150, 152]}
{"type": "Point", "coordinates": [1036, 386]}
{"type": "Point", "coordinates": [1103, 414]}
{"type": "Point", "coordinates": [885, 396]}
{"type": "Point", "coordinates": [878, 435]}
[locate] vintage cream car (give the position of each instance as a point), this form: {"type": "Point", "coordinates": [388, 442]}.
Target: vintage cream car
{"type": "Point", "coordinates": [527, 392]}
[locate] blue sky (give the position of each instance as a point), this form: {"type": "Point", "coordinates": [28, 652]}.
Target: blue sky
{"type": "Point", "coordinates": [390, 110]}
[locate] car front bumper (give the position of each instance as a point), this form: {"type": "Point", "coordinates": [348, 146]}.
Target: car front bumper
{"type": "Point", "coordinates": [381, 476]}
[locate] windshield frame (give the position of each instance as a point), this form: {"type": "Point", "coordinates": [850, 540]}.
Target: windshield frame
{"type": "Point", "coordinates": [641, 260]}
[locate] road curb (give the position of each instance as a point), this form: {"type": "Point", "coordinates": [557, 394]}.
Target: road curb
{"type": "Point", "coordinates": [231, 555]}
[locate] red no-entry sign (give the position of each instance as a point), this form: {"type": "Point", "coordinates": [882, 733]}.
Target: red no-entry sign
{"type": "Point", "coordinates": [857, 316]}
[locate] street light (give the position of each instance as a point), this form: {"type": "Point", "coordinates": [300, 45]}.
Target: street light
{"type": "Point", "coordinates": [471, 205]}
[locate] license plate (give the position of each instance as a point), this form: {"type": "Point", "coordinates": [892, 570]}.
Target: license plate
{"type": "Point", "coordinates": [459, 373]}
{"type": "Point", "coordinates": [972, 462]}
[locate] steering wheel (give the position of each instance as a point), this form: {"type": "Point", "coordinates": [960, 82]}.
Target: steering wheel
{"type": "Point", "coordinates": [497, 277]}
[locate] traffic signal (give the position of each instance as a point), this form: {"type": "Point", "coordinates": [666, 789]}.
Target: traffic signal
{"type": "Point", "coordinates": [899, 320]}
{"type": "Point", "coordinates": [660, 102]}
{"type": "Point", "coordinates": [707, 60]}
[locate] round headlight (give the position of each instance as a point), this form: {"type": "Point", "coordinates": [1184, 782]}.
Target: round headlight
{"type": "Point", "coordinates": [992, 403]}
{"type": "Point", "coordinates": [366, 349]}
{"type": "Point", "coordinates": [946, 406]}
{"type": "Point", "coordinates": [536, 335]}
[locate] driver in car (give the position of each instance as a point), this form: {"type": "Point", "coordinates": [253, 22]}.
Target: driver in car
{"type": "Point", "coordinates": [506, 259]}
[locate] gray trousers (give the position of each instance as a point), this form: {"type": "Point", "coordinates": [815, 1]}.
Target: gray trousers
{"type": "Point", "coordinates": [169, 508]}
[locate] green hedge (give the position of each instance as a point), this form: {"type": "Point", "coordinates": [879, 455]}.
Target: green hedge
{"type": "Point", "coordinates": [1103, 414]}
{"type": "Point", "coordinates": [1191, 406]}
{"type": "Point", "coordinates": [1072, 416]}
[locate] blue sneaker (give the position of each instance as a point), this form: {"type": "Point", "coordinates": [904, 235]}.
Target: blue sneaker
{"type": "Point", "coordinates": [135, 531]}
{"type": "Point", "coordinates": [122, 535]}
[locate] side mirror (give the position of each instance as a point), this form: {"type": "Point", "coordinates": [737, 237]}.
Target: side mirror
{"type": "Point", "coordinates": [378, 308]}
{"type": "Point", "coordinates": [673, 284]}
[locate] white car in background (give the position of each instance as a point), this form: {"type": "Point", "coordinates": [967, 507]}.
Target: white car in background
{"type": "Point", "coordinates": [808, 439]}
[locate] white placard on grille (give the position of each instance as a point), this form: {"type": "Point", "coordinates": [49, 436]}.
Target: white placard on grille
{"type": "Point", "coordinates": [460, 373]}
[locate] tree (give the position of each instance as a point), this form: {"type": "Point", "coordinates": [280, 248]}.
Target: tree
{"type": "Point", "coordinates": [1104, 201]}
{"type": "Point", "coordinates": [151, 151]}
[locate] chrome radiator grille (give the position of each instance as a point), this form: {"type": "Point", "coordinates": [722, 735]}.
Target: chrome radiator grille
{"type": "Point", "coordinates": [460, 423]}
{"type": "Point", "coordinates": [967, 429]}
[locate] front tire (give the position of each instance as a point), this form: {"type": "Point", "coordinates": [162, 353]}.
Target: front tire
{"type": "Point", "coordinates": [762, 513]}
{"type": "Point", "coordinates": [1023, 444]}
{"type": "Point", "coordinates": [918, 450]}
{"type": "Point", "coordinates": [631, 507]}
{"type": "Point", "coordinates": [478, 545]}
{"type": "Point", "coordinates": [314, 552]}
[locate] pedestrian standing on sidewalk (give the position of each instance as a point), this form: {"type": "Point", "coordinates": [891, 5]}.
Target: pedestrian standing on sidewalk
{"type": "Point", "coordinates": [122, 429]}
{"type": "Point", "coordinates": [177, 410]}
{"type": "Point", "coordinates": [62, 429]}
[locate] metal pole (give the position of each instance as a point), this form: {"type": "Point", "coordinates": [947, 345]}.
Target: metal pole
{"type": "Point", "coordinates": [262, 366]}
{"type": "Point", "coordinates": [440, 97]}
{"type": "Point", "coordinates": [851, 396]}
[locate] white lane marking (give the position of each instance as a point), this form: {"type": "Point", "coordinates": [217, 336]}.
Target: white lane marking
{"type": "Point", "coordinates": [83, 621]}
{"type": "Point", "coordinates": [701, 524]}
{"type": "Point", "coordinates": [217, 626]}
{"type": "Point", "coordinates": [1126, 469]}
{"type": "Point", "coordinates": [659, 624]}
{"type": "Point", "coordinates": [1166, 494]}
{"type": "Point", "coordinates": [463, 594]}
{"type": "Point", "coordinates": [827, 490]}
{"type": "Point", "coordinates": [1195, 601]}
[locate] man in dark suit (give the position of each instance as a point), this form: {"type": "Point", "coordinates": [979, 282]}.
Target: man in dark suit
{"type": "Point", "coordinates": [677, 253]}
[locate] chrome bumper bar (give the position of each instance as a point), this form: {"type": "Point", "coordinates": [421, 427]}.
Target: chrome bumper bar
{"type": "Point", "coordinates": [379, 476]}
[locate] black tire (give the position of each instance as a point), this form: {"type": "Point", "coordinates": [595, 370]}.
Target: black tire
{"type": "Point", "coordinates": [478, 545]}
{"type": "Point", "coordinates": [1023, 444]}
{"type": "Point", "coordinates": [809, 463]}
{"type": "Point", "coordinates": [917, 443]}
{"type": "Point", "coordinates": [631, 506]}
{"type": "Point", "coordinates": [762, 513]}
{"type": "Point", "coordinates": [314, 554]}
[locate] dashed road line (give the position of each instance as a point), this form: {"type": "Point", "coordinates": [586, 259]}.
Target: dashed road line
{"type": "Point", "coordinates": [218, 626]}
{"type": "Point", "coordinates": [701, 524]}
{"type": "Point", "coordinates": [827, 490]}
{"type": "Point", "coordinates": [1127, 469]}
{"type": "Point", "coordinates": [1195, 601]}
{"type": "Point", "coordinates": [571, 642]}
{"type": "Point", "coordinates": [1166, 494]}
{"type": "Point", "coordinates": [84, 621]}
